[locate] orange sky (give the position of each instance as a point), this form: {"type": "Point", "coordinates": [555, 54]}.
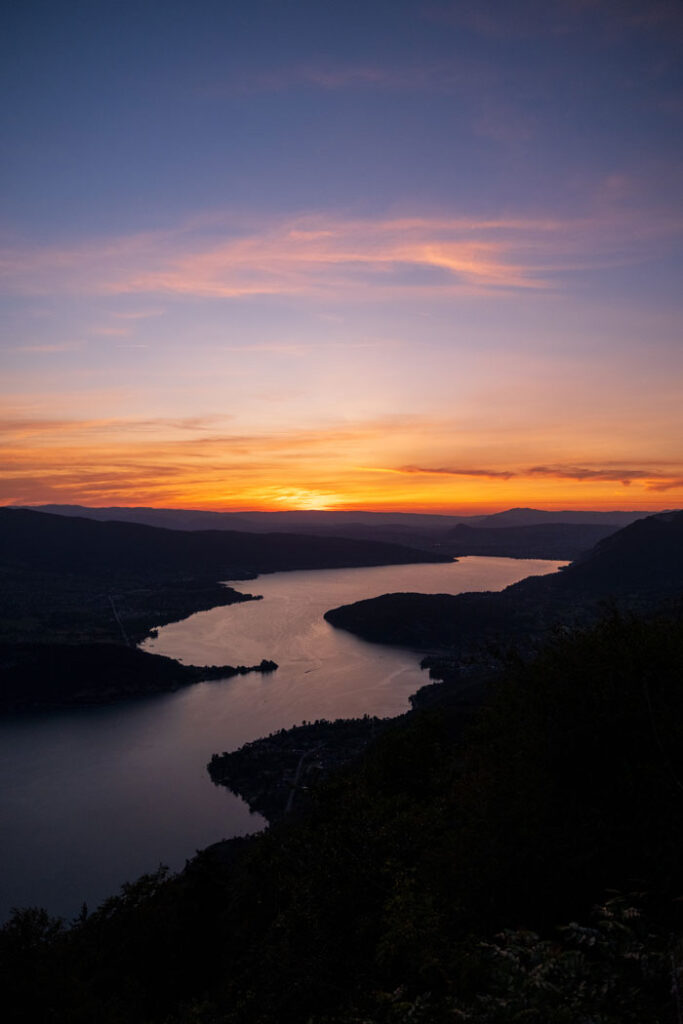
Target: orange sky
{"type": "Point", "coordinates": [204, 464]}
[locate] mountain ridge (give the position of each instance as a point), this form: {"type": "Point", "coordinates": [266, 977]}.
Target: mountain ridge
{"type": "Point", "coordinates": [68, 543]}
{"type": "Point", "coordinates": [256, 520]}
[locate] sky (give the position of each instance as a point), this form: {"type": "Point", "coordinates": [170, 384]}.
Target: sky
{"type": "Point", "coordinates": [414, 256]}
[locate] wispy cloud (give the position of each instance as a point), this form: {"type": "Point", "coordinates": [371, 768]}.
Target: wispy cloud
{"type": "Point", "coordinates": [671, 484]}
{"type": "Point", "coordinates": [491, 474]}
{"type": "Point", "coordinates": [182, 438]}
{"type": "Point", "coordinates": [48, 348]}
{"type": "Point", "coordinates": [326, 255]}
{"type": "Point", "coordinates": [16, 428]}
{"type": "Point", "coordinates": [620, 475]}
{"type": "Point", "coordinates": [654, 478]}
{"type": "Point", "coordinates": [309, 254]}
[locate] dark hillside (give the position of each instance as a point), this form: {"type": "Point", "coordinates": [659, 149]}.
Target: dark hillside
{"type": "Point", "coordinates": [562, 541]}
{"type": "Point", "coordinates": [645, 557]}
{"type": "Point", "coordinates": [638, 566]}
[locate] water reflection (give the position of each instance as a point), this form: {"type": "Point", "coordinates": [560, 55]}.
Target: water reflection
{"type": "Point", "coordinates": [93, 797]}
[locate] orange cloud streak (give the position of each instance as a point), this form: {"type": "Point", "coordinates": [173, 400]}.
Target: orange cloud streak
{"type": "Point", "coordinates": [192, 463]}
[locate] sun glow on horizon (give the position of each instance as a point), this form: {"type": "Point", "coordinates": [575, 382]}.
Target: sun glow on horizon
{"type": "Point", "coordinates": [304, 500]}
{"type": "Point", "coordinates": [178, 476]}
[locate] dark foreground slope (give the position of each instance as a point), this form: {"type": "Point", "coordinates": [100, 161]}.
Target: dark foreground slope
{"type": "Point", "coordinates": [637, 567]}
{"type": "Point", "coordinates": [424, 883]}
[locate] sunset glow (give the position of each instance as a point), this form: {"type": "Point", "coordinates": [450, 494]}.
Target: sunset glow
{"type": "Point", "coordinates": [422, 259]}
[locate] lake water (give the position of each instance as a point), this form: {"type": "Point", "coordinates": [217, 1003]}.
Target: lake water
{"type": "Point", "coordinates": [94, 797]}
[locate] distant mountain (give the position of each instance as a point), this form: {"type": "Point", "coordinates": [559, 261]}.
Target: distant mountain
{"type": "Point", "coordinates": [535, 517]}
{"type": "Point", "coordinates": [292, 521]}
{"type": "Point", "coordinates": [562, 535]}
{"type": "Point", "coordinates": [339, 522]}
{"type": "Point", "coordinates": [79, 545]}
{"type": "Point", "coordinates": [563, 541]}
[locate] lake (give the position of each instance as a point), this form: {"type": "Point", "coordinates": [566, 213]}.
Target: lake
{"type": "Point", "coordinates": [94, 797]}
